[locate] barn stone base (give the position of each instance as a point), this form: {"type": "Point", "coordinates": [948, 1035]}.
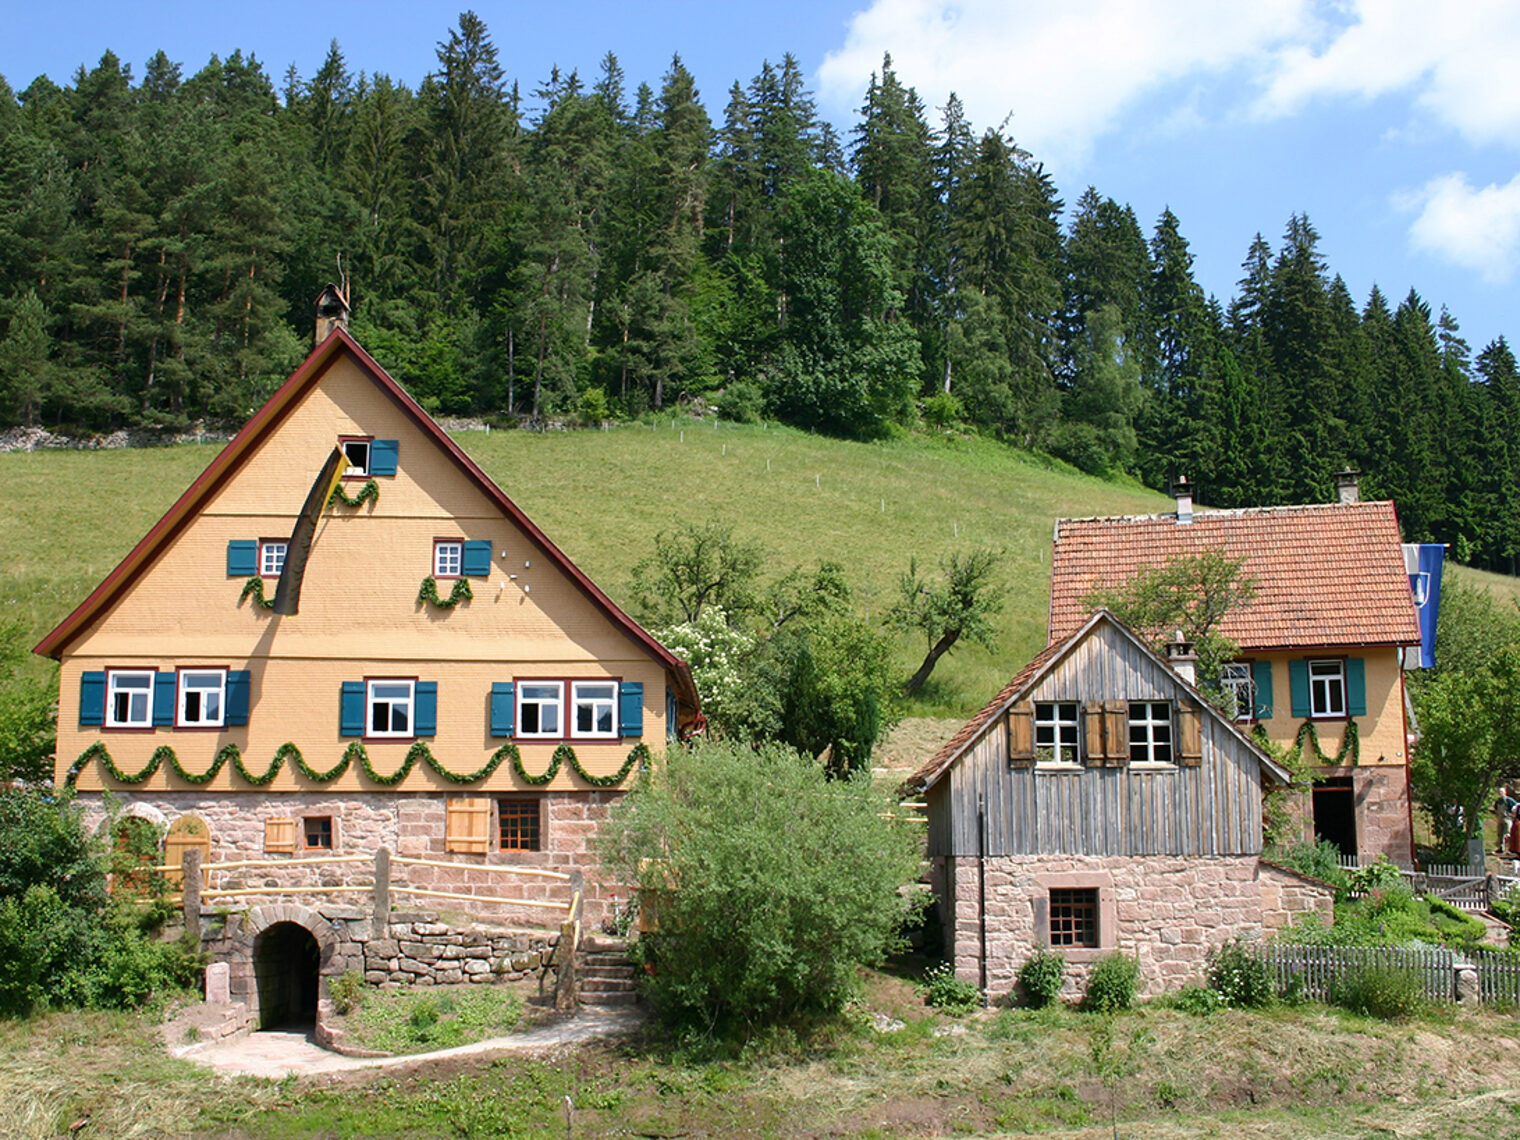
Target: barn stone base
{"type": "Point", "coordinates": [1167, 911]}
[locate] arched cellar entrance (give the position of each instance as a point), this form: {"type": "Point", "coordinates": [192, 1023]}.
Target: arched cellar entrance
{"type": "Point", "coordinates": [286, 962]}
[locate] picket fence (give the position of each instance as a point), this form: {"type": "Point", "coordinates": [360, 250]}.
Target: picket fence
{"type": "Point", "coordinates": [1312, 971]}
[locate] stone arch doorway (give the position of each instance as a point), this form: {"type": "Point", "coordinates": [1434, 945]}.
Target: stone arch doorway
{"type": "Point", "coordinates": [287, 965]}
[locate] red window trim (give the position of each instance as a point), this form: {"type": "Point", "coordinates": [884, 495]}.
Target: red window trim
{"type": "Point", "coordinates": [224, 670]}
{"type": "Point", "coordinates": [433, 569]}
{"type": "Point", "coordinates": [565, 700]}
{"type": "Point", "coordinates": [150, 727]}
{"type": "Point", "coordinates": [412, 739]}
{"type": "Point", "coordinates": [369, 439]}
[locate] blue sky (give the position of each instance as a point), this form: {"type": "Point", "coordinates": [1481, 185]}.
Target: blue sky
{"type": "Point", "coordinates": [1394, 124]}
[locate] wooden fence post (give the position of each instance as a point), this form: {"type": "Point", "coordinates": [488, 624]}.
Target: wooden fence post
{"type": "Point", "coordinates": [566, 989]}
{"type": "Point", "coordinates": [190, 889]}
{"type": "Point", "coordinates": [382, 891]}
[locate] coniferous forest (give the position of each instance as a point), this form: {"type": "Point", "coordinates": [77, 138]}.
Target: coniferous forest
{"type": "Point", "coordinates": [570, 247]}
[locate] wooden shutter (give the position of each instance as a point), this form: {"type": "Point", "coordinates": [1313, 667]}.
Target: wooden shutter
{"type": "Point", "coordinates": [242, 557]}
{"type": "Point", "coordinates": [165, 689]}
{"type": "Point", "coordinates": [1092, 726]}
{"type": "Point", "coordinates": [383, 456]}
{"type": "Point", "coordinates": [502, 708]}
{"type": "Point", "coordinates": [92, 698]}
{"type": "Point", "coordinates": [187, 831]}
{"type": "Point", "coordinates": [351, 709]}
{"type": "Point", "coordinates": [1021, 735]}
{"type": "Point", "coordinates": [1189, 734]}
{"type": "Point", "coordinates": [1261, 677]}
{"type": "Point", "coordinates": [280, 836]}
{"type": "Point", "coordinates": [476, 559]}
{"type": "Point", "coordinates": [237, 696]}
{"type": "Point", "coordinates": [467, 825]}
{"type": "Point", "coordinates": [1356, 686]}
{"type": "Point", "coordinates": [1116, 732]}
{"type": "Point", "coordinates": [631, 709]}
{"type": "Point", "coordinates": [425, 714]}
{"type": "Point", "coordinates": [1298, 687]}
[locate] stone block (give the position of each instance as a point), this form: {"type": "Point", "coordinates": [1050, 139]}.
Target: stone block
{"type": "Point", "coordinates": [218, 981]}
{"type": "Point", "coordinates": [449, 977]}
{"type": "Point", "coordinates": [476, 967]}
{"type": "Point", "coordinates": [375, 977]}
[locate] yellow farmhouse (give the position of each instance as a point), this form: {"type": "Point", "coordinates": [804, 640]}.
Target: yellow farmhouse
{"type": "Point", "coordinates": [417, 667]}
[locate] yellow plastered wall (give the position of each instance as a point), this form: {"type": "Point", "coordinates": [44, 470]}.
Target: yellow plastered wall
{"type": "Point", "coordinates": [359, 615]}
{"type": "Point", "coordinates": [1380, 732]}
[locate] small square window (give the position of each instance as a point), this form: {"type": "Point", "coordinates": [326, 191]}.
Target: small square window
{"type": "Point", "coordinates": [538, 708]}
{"type": "Point", "coordinates": [594, 702]}
{"type": "Point", "coordinates": [1150, 732]}
{"type": "Point", "coordinates": [519, 825]}
{"type": "Point", "coordinates": [1074, 917]}
{"type": "Point", "coordinates": [390, 708]}
{"type": "Point", "coordinates": [129, 699]}
{"type": "Point", "coordinates": [1327, 688]}
{"type": "Point", "coordinates": [448, 559]}
{"type": "Point", "coordinates": [272, 557]}
{"type": "Point", "coordinates": [1236, 680]}
{"type": "Point", "coordinates": [356, 451]}
{"type": "Point", "coordinates": [202, 698]}
{"type": "Point", "coordinates": [318, 830]}
{"type": "Point", "coordinates": [1055, 730]}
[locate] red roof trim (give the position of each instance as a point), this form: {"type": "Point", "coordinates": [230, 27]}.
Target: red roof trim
{"type": "Point", "coordinates": [262, 423]}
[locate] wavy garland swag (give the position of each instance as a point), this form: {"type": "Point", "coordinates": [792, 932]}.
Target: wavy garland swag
{"type": "Point", "coordinates": [429, 593]}
{"type": "Point", "coordinates": [254, 588]}
{"type": "Point", "coordinates": [1306, 743]}
{"type": "Point", "coordinates": [419, 752]}
{"type": "Point", "coordinates": [370, 492]}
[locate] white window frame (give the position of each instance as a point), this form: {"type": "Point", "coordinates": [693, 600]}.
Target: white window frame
{"type": "Point", "coordinates": [393, 702]}
{"type": "Point", "coordinates": [272, 553]}
{"type": "Point", "coordinates": [552, 696]}
{"type": "Point", "coordinates": [1056, 733]}
{"type": "Point", "coordinates": [1236, 677]}
{"type": "Point", "coordinates": [448, 552]}
{"type": "Point", "coordinates": [113, 688]}
{"type": "Point", "coordinates": [1327, 682]}
{"type": "Point", "coordinates": [351, 468]}
{"type": "Point", "coordinates": [1150, 732]}
{"type": "Point", "coordinates": [581, 700]}
{"type": "Point", "coordinates": [185, 688]}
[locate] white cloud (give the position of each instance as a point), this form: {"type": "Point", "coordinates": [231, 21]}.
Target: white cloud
{"type": "Point", "coordinates": [1066, 71]}
{"type": "Point", "coordinates": [1472, 227]}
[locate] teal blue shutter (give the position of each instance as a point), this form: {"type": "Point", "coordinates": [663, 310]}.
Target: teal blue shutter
{"type": "Point", "coordinates": [503, 709]}
{"type": "Point", "coordinates": [237, 696]}
{"type": "Point", "coordinates": [1261, 677]}
{"type": "Point", "coordinates": [1356, 686]}
{"type": "Point", "coordinates": [351, 709]}
{"type": "Point", "coordinates": [92, 698]}
{"type": "Point", "coordinates": [425, 709]}
{"type": "Point", "coordinates": [631, 708]}
{"type": "Point", "coordinates": [382, 456]}
{"type": "Point", "coordinates": [672, 714]}
{"type": "Point", "coordinates": [242, 557]}
{"type": "Point", "coordinates": [1298, 686]}
{"type": "Point", "coordinates": [477, 560]}
{"type": "Point", "coordinates": [165, 686]}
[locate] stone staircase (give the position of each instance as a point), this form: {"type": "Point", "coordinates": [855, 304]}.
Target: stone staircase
{"type": "Point", "coordinates": [605, 972]}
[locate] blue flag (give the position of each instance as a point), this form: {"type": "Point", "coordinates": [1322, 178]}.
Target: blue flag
{"type": "Point", "coordinates": [1423, 561]}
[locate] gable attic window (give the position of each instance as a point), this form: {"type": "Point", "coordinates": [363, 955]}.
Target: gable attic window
{"type": "Point", "coordinates": [389, 708]}
{"type": "Point", "coordinates": [357, 453]}
{"type": "Point", "coordinates": [272, 557]}
{"type": "Point", "coordinates": [129, 698]}
{"type": "Point", "coordinates": [202, 698]}
{"type": "Point", "coordinates": [1327, 688]}
{"type": "Point", "coordinates": [1055, 731]}
{"type": "Point", "coordinates": [1236, 679]}
{"type": "Point", "coordinates": [448, 557]}
{"type": "Point", "coordinates": [1150, 732]}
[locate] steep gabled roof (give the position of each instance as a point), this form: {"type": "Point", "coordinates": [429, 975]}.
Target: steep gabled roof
{"type": "Point", "coordinates": [1031, 674]}
{"type": "Point", "coordinates": [265, 421]}
{"type": "Point", "coordinates": [1328, 574]}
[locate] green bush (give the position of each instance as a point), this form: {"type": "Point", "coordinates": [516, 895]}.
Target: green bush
{"type": "Point", "coordinates": [770, 882]}
{"type": "Point", "coordinates": [347, 991]}
{"type": "Point", "coordinates": [1377, 876]}
{"type": "Point", "coordinates": [1200, 1001]}
{"type": "Point", "coordinates": [741, 402]}
{"type": "Point", "coordinates": [942, 410]}
{"type": "Point", "coordinates": [1388, 993]}
{"type": "Point", "coordinates": [594, 407]}
{"type": "Point", "coordinates": [1040, 978]}
{"type": "Point", "coordinates": [1319, 860]}
{"type": "Point", "coordinates": [1112, 985]}
{"type": "Point", "coordinates": [944, 991]}
{"type": "Point", "coordinates": [1240, 977]}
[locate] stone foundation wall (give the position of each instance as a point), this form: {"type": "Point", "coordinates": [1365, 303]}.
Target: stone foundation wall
{"type": "Point", "coordinates": [1288, 898]}
{"type": "Point", "coordinates": [409, 824]}
{"type": "Point", "coordinates": [1168, 911]}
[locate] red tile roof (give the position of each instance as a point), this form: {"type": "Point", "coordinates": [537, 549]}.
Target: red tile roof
{"type": "Point", "coordinates": [1326, 575]}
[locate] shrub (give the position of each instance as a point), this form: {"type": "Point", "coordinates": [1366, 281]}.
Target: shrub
{"type": "Point", "coordinates": [347, 991]}
{"type": "Point", "coordinates": [1112, 985]}
{"type": "Point", "coordinates": [1200, 1001]}
{"type": "Point", "coordinates": [1040, 978]}
{"type": "Point", "coordinates": [773, 882]}
{"type": "Point", "coordinates": [1319, 860]}
{"type": "Point", "coordinates": [944, 991]}
{"type": "Point", "coordinates": [1378, 876]}
{"type": "Point", "coordinates": [1388, 993]}
{"type": "Point", "coordinates": [1239, 976]}
{"type": "Point", "coordinates": [594, 407]}
{"type": "Point", "coordinates": [942, 410]}
{"type": "Point", "coordinates": [742, 402]}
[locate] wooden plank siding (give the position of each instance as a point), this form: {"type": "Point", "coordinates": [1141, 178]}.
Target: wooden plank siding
{"type": "Point", "coordinates": [1211, 809]}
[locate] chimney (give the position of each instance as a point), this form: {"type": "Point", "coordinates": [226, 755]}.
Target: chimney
{"type": "Point", "coordinates": [1346, 489]}
{"type": "Point", "coordinates": [1182, 491]}
{"type": "Point", "coordinates": [1181, 657]}
{"type": "Point", "coordinates": [332, 312]}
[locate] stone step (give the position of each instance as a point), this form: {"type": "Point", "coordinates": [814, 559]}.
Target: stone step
{"type": "Point", "coordinates": [602, 944]}
{"type": "Point", "coordinates": [620, 998]}
{"type": "Point", "coordinates": [605, 960]}
{"type": "Point", "coordinates": [588, 971]}
{"type": "Point", "coordinates": [607, 985]}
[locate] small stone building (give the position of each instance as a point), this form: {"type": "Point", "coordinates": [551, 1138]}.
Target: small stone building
{"type": "Point", "coordinates": [1099, 803]}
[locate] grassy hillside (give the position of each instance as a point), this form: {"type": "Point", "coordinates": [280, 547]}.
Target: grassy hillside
{"type": "Point", "coordinates": [66, 518]}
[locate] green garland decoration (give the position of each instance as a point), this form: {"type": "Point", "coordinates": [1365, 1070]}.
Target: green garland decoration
{"type": "Point", "coordinates": [418, 753]}
{"type": "Point", "coordinates": [254, 588]}
{"type": "Point", "coordinates": [370, 492]}
{"type": "Point", "coordinates": [1308, 740]}
{"type": "Point", "coordinates": [460, 593]}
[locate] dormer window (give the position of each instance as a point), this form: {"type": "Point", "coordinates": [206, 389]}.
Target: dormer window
{"type": "Point", "coordinates": [357, 453]}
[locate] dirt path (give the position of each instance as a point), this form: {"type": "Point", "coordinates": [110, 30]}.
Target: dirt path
{"type": "Point", "coordinates": [280, 1053]}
